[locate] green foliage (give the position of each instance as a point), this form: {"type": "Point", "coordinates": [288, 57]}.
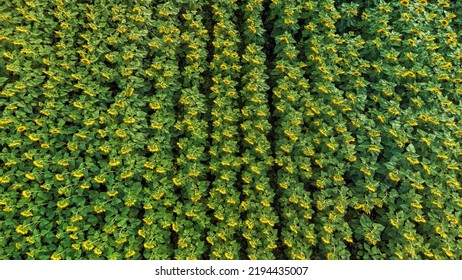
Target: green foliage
{"type": "Point", "coordinates": [230, 129]}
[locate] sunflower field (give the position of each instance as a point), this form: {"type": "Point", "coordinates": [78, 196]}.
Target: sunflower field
{"type": "Point", "coordinates": [230, 129]}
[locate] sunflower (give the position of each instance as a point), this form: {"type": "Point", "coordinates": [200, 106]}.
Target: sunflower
{"type": "Point", "coordinates": [405, 3]}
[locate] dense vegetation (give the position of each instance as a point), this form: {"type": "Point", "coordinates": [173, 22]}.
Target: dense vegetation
{"type": "Point", "coordinates": [224, 129]}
